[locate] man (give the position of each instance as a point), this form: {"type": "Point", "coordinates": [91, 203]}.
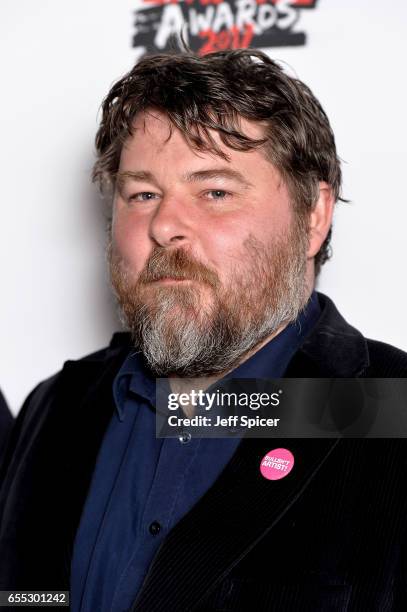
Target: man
{"type": "Point", "coordinates": [223, 175]}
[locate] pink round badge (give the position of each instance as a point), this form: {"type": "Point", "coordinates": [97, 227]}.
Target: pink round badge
{"type": "Point", "coordinates": [277, 464]}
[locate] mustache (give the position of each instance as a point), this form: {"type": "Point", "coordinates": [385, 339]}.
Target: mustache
{"type": "Point", "coordinates": [176, 264]}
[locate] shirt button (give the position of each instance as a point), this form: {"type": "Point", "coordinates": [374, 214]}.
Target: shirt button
{"type": "Point", "coordinates": [154, 528]}
{"type": "Point", "coordinates": [185, 437]}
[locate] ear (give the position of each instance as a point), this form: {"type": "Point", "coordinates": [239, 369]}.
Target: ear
{"type": "Point", "coordinates": [320, 219]}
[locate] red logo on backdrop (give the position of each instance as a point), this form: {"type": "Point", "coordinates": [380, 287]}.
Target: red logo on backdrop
{"type": "Point", "coordinates": [214, 25]}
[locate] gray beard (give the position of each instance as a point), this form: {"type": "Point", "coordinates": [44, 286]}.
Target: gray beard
{"type": "Point", "coordinates": [255, 304]}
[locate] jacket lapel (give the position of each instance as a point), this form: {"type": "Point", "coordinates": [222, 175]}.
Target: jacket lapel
{"type": "Point", "coordinates": [86, 404]}
{"type": "Point", "coordinates": [205, 545]}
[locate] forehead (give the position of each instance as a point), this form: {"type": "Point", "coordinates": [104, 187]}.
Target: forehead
{"type": "Point", "coordinates": [155, 127]}
{"type": "Point", "coordinates": [156, 143]}
{"type": "Point", "coordinates": [155, 120]}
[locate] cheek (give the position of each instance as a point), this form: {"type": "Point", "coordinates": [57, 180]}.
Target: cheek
{"type": "Point", "coordinates": [131, 242]}
{"type": "Point", "coordinates": [224, 246]}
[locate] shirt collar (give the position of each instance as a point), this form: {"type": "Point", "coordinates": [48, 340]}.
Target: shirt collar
{"type": "Point", "coordinates": [133, 377]}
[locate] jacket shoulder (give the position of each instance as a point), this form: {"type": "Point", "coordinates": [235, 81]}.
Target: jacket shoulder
{"type": "Point", "coordinates": [119, 342]}
{"type": "Point", "coordinates": [45, 389]}
{"type": "Point", "coordinates": [334, 348]}
{"type": "Point", "coordinates": [386, 360]}
{"type": "Point", "coordinates": [40, 403]}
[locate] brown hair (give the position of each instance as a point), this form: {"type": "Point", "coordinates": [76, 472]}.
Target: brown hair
{"type": "Point", "coordinates": [212, 92]}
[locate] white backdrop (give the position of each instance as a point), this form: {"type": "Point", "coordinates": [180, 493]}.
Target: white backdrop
{"type": "Point", "coordinates": [58, 62]}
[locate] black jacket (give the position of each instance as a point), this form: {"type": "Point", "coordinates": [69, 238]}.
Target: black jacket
{"type": "Point", "coordinates": [331, 537]}
{"type": "Point", "coordinates": [6, 422]}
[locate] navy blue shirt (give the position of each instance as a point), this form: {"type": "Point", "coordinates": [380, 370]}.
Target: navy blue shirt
{"type": "Point", "coordinates": [142, 486]}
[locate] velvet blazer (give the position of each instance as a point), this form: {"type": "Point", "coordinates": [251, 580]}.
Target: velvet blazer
{"type": "Point", "coordinates": [330, 537]}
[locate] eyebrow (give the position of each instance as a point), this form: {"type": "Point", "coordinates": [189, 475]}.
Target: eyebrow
{"type": "Point", "coordinates": [190, 177]}
{"type": "Point", "coordinates": [140, 176]}
{"type": "Point", "coordinates": [215, 173]}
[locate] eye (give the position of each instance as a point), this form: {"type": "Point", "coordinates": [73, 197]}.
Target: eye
{"type": "Point", "coordinates": [143, 196]}
{"type": "Point", "coordinates": [217, 194]}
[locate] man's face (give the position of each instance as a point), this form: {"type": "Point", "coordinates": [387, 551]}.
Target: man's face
{"type": "Point", "coordinates": [207, 257]}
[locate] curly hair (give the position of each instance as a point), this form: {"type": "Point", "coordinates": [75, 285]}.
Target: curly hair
{"type": "Point", "coordinates": [200, 94]}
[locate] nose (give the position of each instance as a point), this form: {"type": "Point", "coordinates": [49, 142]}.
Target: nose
{"type": "Point", "coordinates": [171, 225]}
